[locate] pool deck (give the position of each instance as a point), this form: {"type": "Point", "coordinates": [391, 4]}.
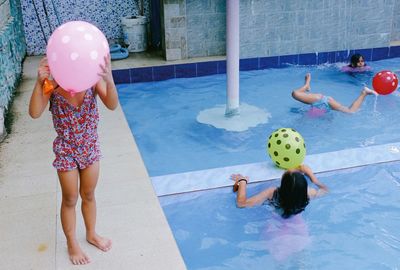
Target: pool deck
{"type": "Point", "coordinates": [128, 209]}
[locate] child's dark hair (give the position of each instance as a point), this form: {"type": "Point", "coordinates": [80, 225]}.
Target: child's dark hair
{"type": "Point", "coordinates": [354, 59]}
{"type": "Point", "coordinates": [293, 193]}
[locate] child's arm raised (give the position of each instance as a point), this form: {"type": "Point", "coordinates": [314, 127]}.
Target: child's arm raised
{"type": "Point", "coordinates": [106, 87]}
{"type": "Point", "coordinates": [39, 100]}
{"type": "Point", "coordinates": [307, 170]}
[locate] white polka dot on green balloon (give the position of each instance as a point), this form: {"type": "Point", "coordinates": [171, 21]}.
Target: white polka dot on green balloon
{"type": "Point", "coordinates": [74, 56]}
{"type": "Point", "coordinates": [94, 55]}
{"type": "Point", "coordinates": [65, 39]}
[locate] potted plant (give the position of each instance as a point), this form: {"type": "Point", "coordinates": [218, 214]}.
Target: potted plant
{"type": "Point", "coordinates": [134, 30]}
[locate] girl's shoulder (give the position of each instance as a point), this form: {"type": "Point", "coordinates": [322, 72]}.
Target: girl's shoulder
{"type": "Point", "coordinates": [349, 68]}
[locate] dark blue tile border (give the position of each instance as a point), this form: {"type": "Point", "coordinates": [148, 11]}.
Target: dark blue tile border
{"type": "Point", "coordinates": [286, 60]}
{"type": "Point", "coordinates": [394, 51]}
{"type": "Point", "coordinates": [308, 59]}
{"type": "Point", "coordinates": [248, 64]}
{"type": "Point", "coordinates": [221, 67]}
{"type": "Point", "coordinates": [367, 53]}
{"type": "Point", "coordinates": [161, 73]}
{"type": "Point", "coordinates": [322, 58]}
{"type": "Point", "coordinates": [157, 73]}
{"type": "Point", "coordinates": [341, 56]}
{"type": "Point", "coordinates": [121, 76]}
{"type": "Point", "coordinates": [185, 70]}
{"type": "Point", "coordinates": [207, 68]}
{"type": "Point", "coordinates": [380, 53]}
{"type": "Point", "coordinates": [269, 62]}
{"type": "Point", "coordinates": [144, 74]}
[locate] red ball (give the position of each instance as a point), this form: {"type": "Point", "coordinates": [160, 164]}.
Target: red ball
{"type": "Point", "coordinates": [385, 82]}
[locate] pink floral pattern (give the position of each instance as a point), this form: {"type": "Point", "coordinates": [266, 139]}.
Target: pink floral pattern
{"type": "Point", "coordinates": [76, 144]}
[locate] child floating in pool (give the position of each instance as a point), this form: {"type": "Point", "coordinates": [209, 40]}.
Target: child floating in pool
{"type": "Point", "coordinates": [291, 197]}
{"type": "Point", "coordinates": [322, 103]}
{"type": "Point", "coordinates": [357, 64]}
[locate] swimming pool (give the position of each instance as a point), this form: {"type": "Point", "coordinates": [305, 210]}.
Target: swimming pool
{"type": "Point", "coordinates": [355, 226]}
{"type": "Point", "coordinates": [174, 142]}
{"type": "Point", "coordinates": [183, 155]}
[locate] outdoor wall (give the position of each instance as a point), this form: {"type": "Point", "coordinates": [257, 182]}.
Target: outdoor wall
{"type": "Point", "coordinates": [12, 52]}
{"type": "Point", "coordinates": [395, 34]}
{"type": "Point", "coordinates": [280, 27]}
{"type": "Point", "coordinates": [42, 17]}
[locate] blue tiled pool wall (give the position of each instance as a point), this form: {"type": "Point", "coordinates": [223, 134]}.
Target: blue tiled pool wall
{"type": "Point", "coordinates": [12, 49]}
{"type": "Point", "coordinates": [42, 17]}
{"type": "Point", "coordinates": [165, 72]}
{"type": "Point", "coordinates": [197, 28]}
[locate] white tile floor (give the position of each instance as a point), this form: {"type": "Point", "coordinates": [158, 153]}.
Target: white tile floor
{"type": "Point", "coordinates": [128, 209]}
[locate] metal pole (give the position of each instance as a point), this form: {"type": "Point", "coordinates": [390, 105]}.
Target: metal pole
{"type": "Point", "coordinates": [232, 57]}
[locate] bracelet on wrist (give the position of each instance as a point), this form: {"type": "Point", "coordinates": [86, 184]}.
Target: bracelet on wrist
{"type": "Point", "coordinates": [242, 179]}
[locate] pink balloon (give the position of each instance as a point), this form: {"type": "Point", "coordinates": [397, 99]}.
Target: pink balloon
{"type": "Point", "coordinates": [75, 51]}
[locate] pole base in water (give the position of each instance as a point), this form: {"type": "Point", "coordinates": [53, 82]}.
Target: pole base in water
{"type": "Point", "coordinates": [250, 116]}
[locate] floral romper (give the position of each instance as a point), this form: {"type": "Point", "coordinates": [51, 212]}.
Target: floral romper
{"type": "Point", "coordinates": [76, 145]}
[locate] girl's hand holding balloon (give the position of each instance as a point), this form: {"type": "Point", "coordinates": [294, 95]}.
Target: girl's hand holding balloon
{"type": "Point", "coordinates": [43, 70]}
{"type": "Point", "coordinates": [106, 73]}
{"type": "Point", "coordinates": [43, 77]}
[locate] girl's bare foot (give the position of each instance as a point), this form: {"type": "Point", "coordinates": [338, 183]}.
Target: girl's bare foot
{"type": "Point", "coordinates": [307, 81]}
{"type": "Point", "coordinates": [76, 255]}
{"type": "Point", "coordinates": [101, 243]}
{"type": "Point", "coordinates": [367, 91]}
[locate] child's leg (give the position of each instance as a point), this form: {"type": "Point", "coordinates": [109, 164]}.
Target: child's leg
{"type": "Point", "coordinates": [69, 188]}
{"type": "Point", "coordinates": [88, 182]}
{"type": "Point", "coordinates": [355, 105]}
{"type": "Point", "coordinates": [301, 94]}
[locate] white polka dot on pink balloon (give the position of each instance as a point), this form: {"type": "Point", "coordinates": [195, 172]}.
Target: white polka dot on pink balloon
{"type": "Point", "coordinates": [74, 56]}
{"type": "Point", "coordinates": [88, 37]}
{"type": "Point", "coordinates": [53, 57]}
{"type": "Point", "coordinates": [66, 39]}
{"type": "Point", "coordinates": [94, 55]}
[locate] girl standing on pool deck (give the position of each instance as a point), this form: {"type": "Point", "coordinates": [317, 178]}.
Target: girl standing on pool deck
{"type": "Point", "coordinates": [325, 103]}
{"type": "Point", "coordinates": [77, 150]}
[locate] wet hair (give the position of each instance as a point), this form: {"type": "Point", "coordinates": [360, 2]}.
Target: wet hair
{"type": "Point", "coordinates": [293, 193]}
{"type": "Point", "coordinates": [354, 59]}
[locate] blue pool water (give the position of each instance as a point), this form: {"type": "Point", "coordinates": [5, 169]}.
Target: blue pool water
{"type": "Point", "coordinates": [355, 226]}
{"type": "Point", "coordinates": [162, 116]}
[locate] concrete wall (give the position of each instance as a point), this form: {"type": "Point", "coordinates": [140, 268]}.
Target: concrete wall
{"type": "Point", "coordinates": [42, 17]}
{"type": "Point", "coordinates": [280, 27]}
{"type": "Point", "coordinates": [12, 53]}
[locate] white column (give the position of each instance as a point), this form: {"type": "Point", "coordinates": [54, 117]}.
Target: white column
{"type": "Point", "coordinates": [232, 57]}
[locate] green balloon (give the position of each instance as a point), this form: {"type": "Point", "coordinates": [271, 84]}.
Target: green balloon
{"type": "Point", "coordinates": [286, 148]}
